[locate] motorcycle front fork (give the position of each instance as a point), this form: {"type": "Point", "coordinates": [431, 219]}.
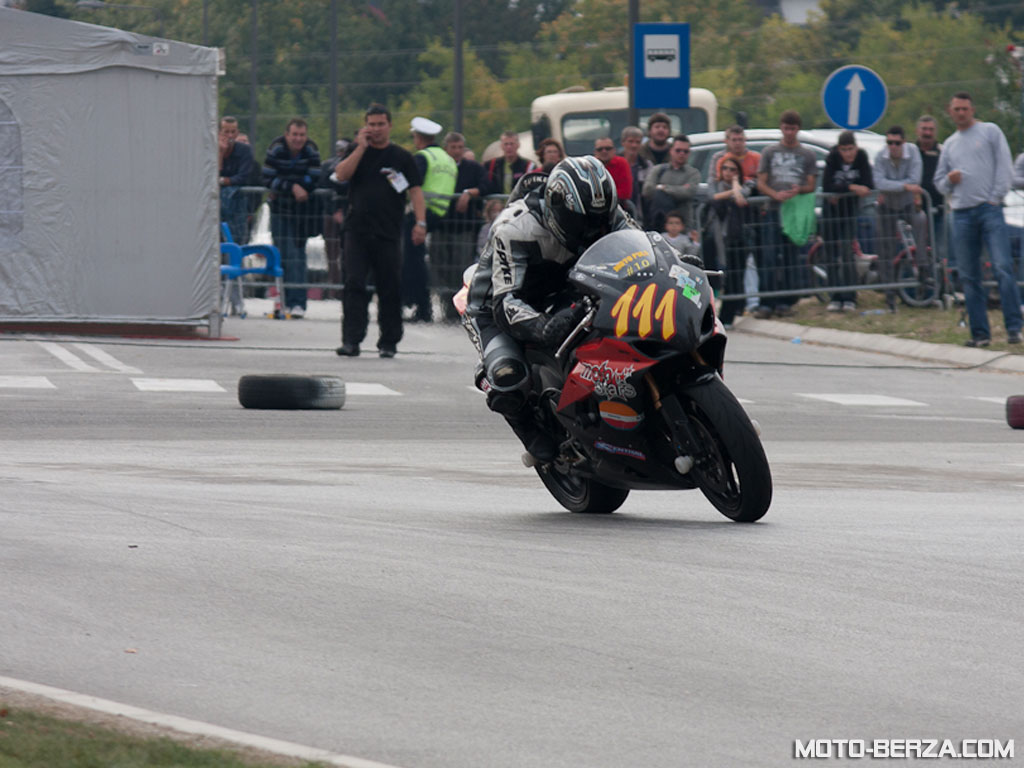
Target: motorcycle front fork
{"type": "Point", "coordinates": [684, 442]}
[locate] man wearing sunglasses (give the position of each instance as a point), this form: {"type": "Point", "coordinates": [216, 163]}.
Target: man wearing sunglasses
{"type": "Point", "coordinates": [604, 150]}
{"type": "Point", "coordinates": [672, 186]}
{"type": "Point", "coordinates": [897, 176]}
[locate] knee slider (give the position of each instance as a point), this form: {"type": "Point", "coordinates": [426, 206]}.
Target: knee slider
{"type": "Point", "coordinates": [506, 403]}
{"type": "Point", "coordinates": [507, 373]}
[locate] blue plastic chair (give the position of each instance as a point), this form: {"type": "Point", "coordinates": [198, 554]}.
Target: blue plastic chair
{"type": "Point", "coordinates": [234, 270]}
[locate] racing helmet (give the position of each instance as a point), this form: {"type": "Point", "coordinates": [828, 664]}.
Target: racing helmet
{"type": "Point", "coordinates": [580, 203]}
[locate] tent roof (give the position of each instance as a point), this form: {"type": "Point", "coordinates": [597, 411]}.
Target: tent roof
{"type": "Point", "coordinates": [33, 44]}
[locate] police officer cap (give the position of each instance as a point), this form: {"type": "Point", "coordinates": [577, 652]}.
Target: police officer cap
{"type": "Point", "coordinates": [425, 126]}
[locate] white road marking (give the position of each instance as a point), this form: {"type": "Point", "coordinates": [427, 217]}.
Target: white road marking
{"type": "Point", "coordinates": [917, 417]}
{"type": "Point", "coordinates": [177, 385]}
{"type": "Point", "coordinates": [26, 382]}
{"type": "Point", "coordinates": [868, 400]}
{"type": "Point", "coordinates": [67, 357]}
{"type": "Point", "coordinates": [744, 401]}
{"type": "Point", "coordinates": [108, 360]}
{"type": "Point", "coordinates": [999, 400]}
{"type": "Point", "coordinates": [360, 388]}
{"type": "Point", "coordinates": [184, 725]}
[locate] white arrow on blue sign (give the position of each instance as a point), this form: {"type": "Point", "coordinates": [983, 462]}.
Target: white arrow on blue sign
{"type": "Point", "coordinates": [854, 97]}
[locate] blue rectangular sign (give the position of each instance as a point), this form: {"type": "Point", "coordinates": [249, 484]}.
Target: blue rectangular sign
{"type": "Point", "coordinates": [661, 66]}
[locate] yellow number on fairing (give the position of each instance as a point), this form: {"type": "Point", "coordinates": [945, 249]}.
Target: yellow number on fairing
{"type": "Point", "coordinates": [621, 311]}
{"type": "Point", "coordinates": [666, 313]}
{"type": "Point", "coordinates": [643, 310]}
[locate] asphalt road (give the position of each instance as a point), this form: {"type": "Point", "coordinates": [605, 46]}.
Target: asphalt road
{"type": "Point", "coordinates": [388, 581]}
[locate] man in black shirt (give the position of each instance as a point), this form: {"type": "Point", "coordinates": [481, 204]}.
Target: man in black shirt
{"type": "Point", "coordinates": [659, 128]}
{"type": "Point", "coordinates": [379, 174]}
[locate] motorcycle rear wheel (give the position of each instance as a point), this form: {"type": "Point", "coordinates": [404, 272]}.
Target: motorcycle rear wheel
{"type": "Point", "coordinates": [580, 494]}
{"type": "Point", "coordinates": [733, 474]}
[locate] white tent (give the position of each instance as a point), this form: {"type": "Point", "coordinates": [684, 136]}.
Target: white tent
{"type": "Point", "coordinates": [109, 204]}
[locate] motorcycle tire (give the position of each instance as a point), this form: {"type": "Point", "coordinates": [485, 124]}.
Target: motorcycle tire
{"type": "Point", "coordinates": [1015, 411]}
{"type": "Point", "coordinates": [579, 494]}
{"type": "Point", "coordinates": [288, 392]}
{"type": "Point", "coordinates": [733, 474]}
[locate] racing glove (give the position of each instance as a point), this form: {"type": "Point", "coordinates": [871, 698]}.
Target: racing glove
{"type": "Point", "coordinates": [558, 326]}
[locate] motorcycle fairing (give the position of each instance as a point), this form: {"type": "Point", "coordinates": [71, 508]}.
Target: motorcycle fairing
{"type": "Point", "coordinates": [648, 294]}
{"type": "Point", "coordinates": [608, 369]}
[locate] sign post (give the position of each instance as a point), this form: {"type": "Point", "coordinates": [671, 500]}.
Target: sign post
{"type": "Point", "coordinates": [661, 66]}
{"type": "Point", "coordinates": [854, 97]}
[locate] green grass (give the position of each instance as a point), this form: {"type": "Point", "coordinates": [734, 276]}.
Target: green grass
{"type": "Point", "coordinates": [32, 740]}
{"type": "Point", "coordinates": [935, 324]}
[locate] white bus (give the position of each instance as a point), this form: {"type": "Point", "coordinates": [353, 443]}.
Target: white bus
{"type": "Point", "coordinates": [576, 117]}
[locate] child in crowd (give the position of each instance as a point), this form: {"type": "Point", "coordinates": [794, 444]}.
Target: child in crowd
{"type": "Point", "coordinates": [685, 243]}
{"type": "Point", "coordinates": [491, 211]}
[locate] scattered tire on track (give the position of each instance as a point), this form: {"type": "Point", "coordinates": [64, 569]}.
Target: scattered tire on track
{"type": "Point", "coordinates": [1015, 411]}
{"type": "Point", "coordinates": [291, 392]}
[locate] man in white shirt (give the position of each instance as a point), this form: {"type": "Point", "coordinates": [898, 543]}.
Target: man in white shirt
{"type": "Point", "coordinates": [975, 172]}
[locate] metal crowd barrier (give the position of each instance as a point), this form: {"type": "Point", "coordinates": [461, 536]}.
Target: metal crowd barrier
{"type": "Point", "coordinates": [903, 252]}
{"type": "Point", "coordinates": [850, 245]}
{"type": "Point", "coordinates": [451, 242]}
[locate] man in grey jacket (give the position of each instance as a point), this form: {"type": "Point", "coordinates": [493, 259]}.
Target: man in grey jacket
{"type": "Point", "coordinates": [897, 177]}
{"type": "Point", "coordinates": [672, 186]}
{"type": "Point", "coordinates": [975, 172]}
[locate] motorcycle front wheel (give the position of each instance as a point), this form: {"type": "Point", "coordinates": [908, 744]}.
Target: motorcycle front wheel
{"type": "Point", "coordinates": [732, 471]}
{"type": "Point", "coordinates": [580, 494]}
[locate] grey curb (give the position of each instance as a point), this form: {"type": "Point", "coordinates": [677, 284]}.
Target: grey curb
{"type": "Point", "coordinates": [876, 342]}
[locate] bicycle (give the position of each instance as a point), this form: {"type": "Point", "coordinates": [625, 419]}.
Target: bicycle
{"type": "Point", "coordinates": [922, 277]}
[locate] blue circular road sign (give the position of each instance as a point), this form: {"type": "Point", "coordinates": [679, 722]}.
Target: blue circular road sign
{"type": "Point", "coordinates": [854, 97]}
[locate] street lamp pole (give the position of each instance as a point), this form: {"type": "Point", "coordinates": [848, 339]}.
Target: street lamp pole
{"type": "Point", "coordinates": [634, 17]}
{"type": "Point", "coordinates": [459, 84]}
{"type": "Point", "coordinates": [253, 107]}
{"type": "Point", "coordinates": [334, 75]}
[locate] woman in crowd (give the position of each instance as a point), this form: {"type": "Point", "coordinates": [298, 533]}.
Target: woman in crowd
{"type": "Point", "coordinates": [729, 212]}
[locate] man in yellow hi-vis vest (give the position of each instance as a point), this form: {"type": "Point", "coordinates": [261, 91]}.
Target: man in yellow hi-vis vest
{"type": "Point", "coordinates": [439, 173]}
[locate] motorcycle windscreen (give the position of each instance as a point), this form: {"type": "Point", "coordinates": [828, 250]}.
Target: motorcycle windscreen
{"type": "Point", "coordinates": [646, 292]}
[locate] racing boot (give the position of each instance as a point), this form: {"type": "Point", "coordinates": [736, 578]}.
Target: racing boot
{"type": "Point", "coordinates": [537, 443]}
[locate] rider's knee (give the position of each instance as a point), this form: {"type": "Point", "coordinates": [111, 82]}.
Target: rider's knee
{"type": "Point", "coordinates": [506, 403]}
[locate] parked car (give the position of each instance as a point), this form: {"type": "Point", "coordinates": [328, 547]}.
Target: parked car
{"type": "Point", "coordinates": [703, 146]}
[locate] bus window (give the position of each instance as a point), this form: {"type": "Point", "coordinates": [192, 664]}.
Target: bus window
{"type": "Point", "coordinates": [683, 121]}
{"type": "Point", "coordinates": [579, 132]}
{"type": "Point", "coordinates": [579, 129]}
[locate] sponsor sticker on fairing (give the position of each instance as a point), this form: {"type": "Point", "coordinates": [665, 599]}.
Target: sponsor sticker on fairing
{"type": "Point", "coordinates": [619, 415]}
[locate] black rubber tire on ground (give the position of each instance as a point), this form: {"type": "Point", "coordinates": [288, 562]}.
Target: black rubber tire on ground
{"type": "Point", "coordinates": [290, 392]}
{"type": "Point", "coordinates": [579, 494]}
{"type": "Point", "coordinates": [736, 478]}
{"type": "Point", "coordinates": [1015, 411]}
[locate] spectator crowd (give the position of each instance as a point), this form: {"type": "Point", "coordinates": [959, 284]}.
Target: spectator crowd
{"type": "Point", "coordinates": [405, 223]}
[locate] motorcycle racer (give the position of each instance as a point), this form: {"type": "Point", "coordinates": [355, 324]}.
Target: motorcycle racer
{"type": "Point", "coordinates": [533, 244]}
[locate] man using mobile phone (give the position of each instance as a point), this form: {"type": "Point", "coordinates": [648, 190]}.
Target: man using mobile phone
{"type": "Point", "coordinates": [380, 174]}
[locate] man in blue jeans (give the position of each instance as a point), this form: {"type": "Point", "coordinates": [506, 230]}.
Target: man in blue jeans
{"type": "Point", "coordinates": [975, 172]}
{"type": "Point", "coordinates": [291, 170]}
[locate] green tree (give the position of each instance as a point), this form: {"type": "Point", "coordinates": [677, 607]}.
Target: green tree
{"type": "Point", "coordinates": [484, 103]}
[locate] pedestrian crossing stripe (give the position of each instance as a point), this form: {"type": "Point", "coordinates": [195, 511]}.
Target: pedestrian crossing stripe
{"type": "Point", "coordinates": [867, 400]}
{"type": "Point", "coordinates": [26, 382]}
{"type": "Point", "coordinates": [360, 388]}
{"type": "Point", "coordinates": [177, 385]}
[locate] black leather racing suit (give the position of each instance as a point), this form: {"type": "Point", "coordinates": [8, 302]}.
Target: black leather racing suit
{"type": "Point", "coordinates": [520, 269]}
